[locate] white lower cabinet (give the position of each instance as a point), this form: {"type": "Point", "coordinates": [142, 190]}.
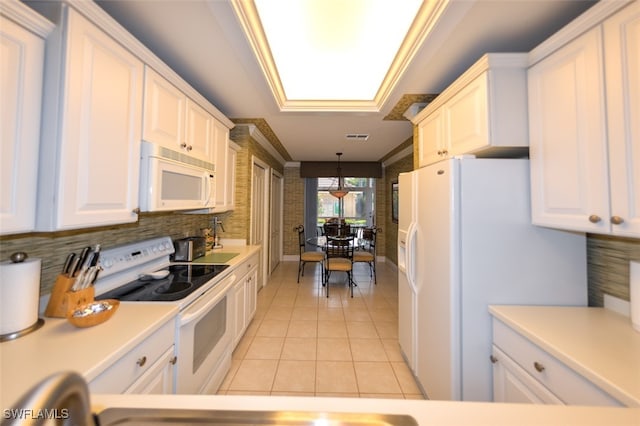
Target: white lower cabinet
{"type": "Point", "coordinates": [159, 378]}
{"type": "Point", "coordinates": [511, 383]}
{"type": "Point", "coordinates": [245, 296]}
{"type": "Point", "coordinates": [147, 368]}
{"type": "Point", "coordinates": [523, 372]}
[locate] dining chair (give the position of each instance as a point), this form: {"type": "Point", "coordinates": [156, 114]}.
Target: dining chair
{"type": "Point", "coordinates": [366, 252]}
{"type": "Point", "coordinates": [331, 229]}
{"type": "Point", "coordinates": [339, 258]}
{"type": "Point", "coordinates": [306, 255]}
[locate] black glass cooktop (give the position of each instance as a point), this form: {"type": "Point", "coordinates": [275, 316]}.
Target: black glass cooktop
{"type": "Point", "coordinates": [181, 281]}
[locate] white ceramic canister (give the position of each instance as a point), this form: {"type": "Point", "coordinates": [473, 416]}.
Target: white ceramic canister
{"type": "Point", "coordinates": [19, 295]}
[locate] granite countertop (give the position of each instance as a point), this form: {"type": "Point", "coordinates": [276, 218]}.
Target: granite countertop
{"type": "Point", "coordinates": [598, 343]}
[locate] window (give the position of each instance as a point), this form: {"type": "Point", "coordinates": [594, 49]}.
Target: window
{"type": "Point", "coordinates": [357, 207]}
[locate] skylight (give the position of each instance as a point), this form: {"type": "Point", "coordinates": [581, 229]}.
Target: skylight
{"type": "Point", "coordinates": [335, 54]}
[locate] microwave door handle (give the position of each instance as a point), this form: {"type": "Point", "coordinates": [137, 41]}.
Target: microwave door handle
{"type": "Point", "coordinates": [209, 186]}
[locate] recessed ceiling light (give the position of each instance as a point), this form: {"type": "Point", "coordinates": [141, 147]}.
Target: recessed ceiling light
{"type": "Point", "coordinates": [335, 54]}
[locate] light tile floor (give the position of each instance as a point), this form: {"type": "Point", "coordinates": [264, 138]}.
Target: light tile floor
{"type": "Point", "coordinates": [303, 343]}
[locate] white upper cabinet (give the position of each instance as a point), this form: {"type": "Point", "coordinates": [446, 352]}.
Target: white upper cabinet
{"type": "Point", "coordinates": [92, 127]}
{"type": "Point", "coordinates": [484, 112]}
{"type": "Point", "coordinates": [164, 111]}
{"type": "Point", "coordinates": [199, 131]}
{"type": "Point", "coordinates": [173, 120]}
{"type": "Point", "coordinates": [585, 149]}
{"type": "Point", "coordinates": [431, 143]}
{"type": "Point", "coordinates": [232, 156]}
{"type": "Point", "coordinates": [622, 77]}
{"type": "Point", "coordinates": [22, 49]}
{"type": "Point", "coordinates": [220, 153]}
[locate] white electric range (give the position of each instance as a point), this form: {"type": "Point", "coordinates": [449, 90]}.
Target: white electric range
{"type": "Point", "coordinates": [201, 291]}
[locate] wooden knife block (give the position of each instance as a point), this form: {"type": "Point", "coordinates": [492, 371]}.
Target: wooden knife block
{"type": "Point", "coordinates": [63, 300]}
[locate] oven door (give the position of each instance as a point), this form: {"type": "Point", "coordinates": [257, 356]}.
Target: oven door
{"type": "Point", "coordinates": [204, 341]}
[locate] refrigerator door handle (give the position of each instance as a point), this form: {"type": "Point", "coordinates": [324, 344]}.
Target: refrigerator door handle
{"type": "Point", "coordinates": [410, 257]}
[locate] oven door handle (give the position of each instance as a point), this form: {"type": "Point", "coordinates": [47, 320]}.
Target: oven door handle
{"type": "Point", "coordinates": [196, 312]}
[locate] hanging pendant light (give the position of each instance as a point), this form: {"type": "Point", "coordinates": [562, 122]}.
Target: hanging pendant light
{"type": "Point", "coordinates": [340, 191]}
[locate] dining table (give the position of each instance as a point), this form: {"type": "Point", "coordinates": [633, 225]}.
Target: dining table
{"type": "Point", "coordinates": [321, 240]}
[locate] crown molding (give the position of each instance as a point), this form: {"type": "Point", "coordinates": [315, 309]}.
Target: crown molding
{"type": "Point", "coordinates": [398, 156]}
{"type": "Point", "coordinates": [25, 16]}
{"type": "Point", "coordinates": [258, 136]}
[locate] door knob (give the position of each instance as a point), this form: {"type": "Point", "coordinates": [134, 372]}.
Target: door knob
{"type": "Point", "coordinates": [594, 218]}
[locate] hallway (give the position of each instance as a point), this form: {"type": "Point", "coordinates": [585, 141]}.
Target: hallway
{"type": "Point", "coordinates": [303, 343]}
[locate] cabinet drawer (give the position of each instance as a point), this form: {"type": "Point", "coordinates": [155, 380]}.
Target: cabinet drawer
{"type": "Point", "coordinates": [119, 376]}
{"type": "Point", "coordinates": [247, 265]}
{"type": "Point", "coordinates": [565, 383]}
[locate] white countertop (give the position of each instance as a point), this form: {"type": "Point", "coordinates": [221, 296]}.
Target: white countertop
{"type": "Point", "coordinates": [60, 346]}
{"type": "Point", "coordinates": [598, 343]}
{"type": "Point", "coordinates": [439, 413]}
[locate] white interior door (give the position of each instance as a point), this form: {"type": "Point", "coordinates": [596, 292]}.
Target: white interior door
{"type": "Point", "coordinates": [260, 214]}
{"type": "Point", "coordinates": [275, 226]}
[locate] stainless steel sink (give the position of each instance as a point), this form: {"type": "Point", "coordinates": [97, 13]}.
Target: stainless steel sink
{"type": "Point", "coordinates": [148, 417]}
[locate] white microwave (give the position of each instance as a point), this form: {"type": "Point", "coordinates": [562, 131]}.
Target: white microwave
{"type": "Point", "coordinates": [170, 180]}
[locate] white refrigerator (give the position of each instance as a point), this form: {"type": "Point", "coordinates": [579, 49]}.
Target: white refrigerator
{"type": "Point", "coordinates": [465, 241]}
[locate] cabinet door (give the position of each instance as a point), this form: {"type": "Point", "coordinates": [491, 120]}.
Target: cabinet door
{"type": "Point", "coordinates": [622, 65]}
{"type": "Point", "coordinates": [569, 178]}
{"type": "Point", "coordinates": [100, 141]}
{"type": "Point", "coordinates": [199, 131]}
{"type": "Point", "coordinates": [230, 182]}
{"type": "Point", "coordinates": [21, 58]}
{"type": "Point", "coordinates": [431, 139]}
{"type": "Point", "coordinates": [513, 384]}
{"type": "Point", "coordinates": [251, 295]}
{"type": "Point", "coordinates": [239, 304]}
{"type": "Point", "coordinates": [164, 111]}
{"type": "Point", "coordinates": [159, 378]}
{"type": "Point", "coordinates": [466, 118]}
{"type": "Point", "coordinates": [220, 152]}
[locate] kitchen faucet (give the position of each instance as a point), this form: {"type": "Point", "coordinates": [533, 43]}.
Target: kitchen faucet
{"type": "Point", "coordinates": [63, 397]}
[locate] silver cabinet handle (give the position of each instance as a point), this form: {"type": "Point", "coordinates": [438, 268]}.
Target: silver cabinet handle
{"type": "Point", "coordinates": [617, 220]}
{"type": "Point", "coordinates": [594, 218]}
{"type": "Point", "coordinates": [173, 360]}
{"type": "Point", "coordinates": [141, 361]}
{"type": "Point", "coordinates": [539, 367]}
{"type": "Point", "coordinates": [493, 359]}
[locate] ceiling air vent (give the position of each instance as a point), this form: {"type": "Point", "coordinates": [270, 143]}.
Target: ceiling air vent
{"type": "Point", "coordinates": [356, 137]}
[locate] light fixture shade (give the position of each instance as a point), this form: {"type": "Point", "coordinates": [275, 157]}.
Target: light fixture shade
{"type": "Point", "coordinates": [340, 192]}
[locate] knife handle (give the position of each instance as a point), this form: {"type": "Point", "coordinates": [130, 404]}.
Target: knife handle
{"type": "Point", "coordinates": [67, 263]}
{"type": "Point", "coordinates": [73, 268]}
